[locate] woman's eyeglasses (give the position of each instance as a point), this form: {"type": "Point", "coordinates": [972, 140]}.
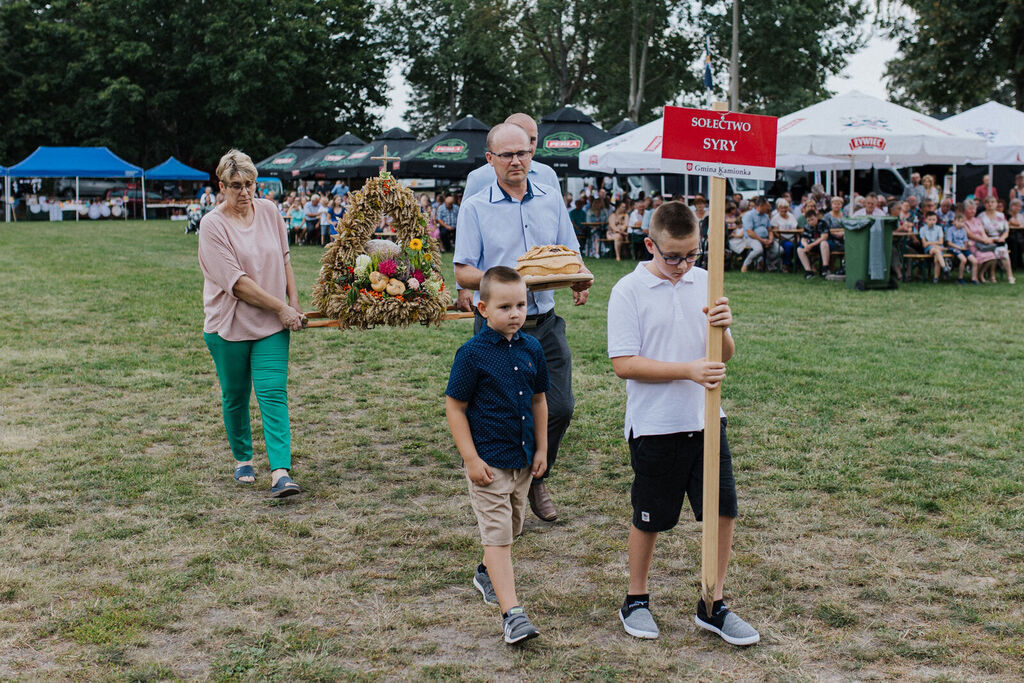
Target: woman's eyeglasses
{"type": "Point", "coordinates": [676, 260]}
{"type": "Point", "coordinates": [237, 187]}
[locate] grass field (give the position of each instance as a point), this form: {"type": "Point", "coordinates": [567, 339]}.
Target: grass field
{"type": "Point", "coordinates": [876, 438]}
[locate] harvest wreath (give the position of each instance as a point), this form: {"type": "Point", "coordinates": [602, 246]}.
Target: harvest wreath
{"type": "Point", "coordinates": [366, 282]}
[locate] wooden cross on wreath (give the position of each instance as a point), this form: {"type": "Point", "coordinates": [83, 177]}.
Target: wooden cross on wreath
{"type": "Point", "coordinates": [385, 158]}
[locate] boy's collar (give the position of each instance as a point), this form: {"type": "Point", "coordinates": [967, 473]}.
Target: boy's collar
{"type": "Point", "coordinates": [652, 280]}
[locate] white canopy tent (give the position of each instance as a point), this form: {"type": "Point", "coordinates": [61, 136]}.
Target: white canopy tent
{"type": "Point", "coordinates": [1002, 129]}
{"type": "Point", "coordinates": [866, 131]}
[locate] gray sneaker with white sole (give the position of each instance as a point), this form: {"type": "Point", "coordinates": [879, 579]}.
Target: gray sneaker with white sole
{"type": "Point", "coordinates": [483, 584]}
{"type": "Point", "coordinates": [638, 622]}
{"type": "Point", "coordinates": [517, 627]}
{"type": "Point", "coordinates": [733, 630]}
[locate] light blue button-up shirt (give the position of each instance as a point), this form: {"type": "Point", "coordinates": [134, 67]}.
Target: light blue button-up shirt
{"type": "Point", "coordinates": [495, 230]}
{"type": "Point", "coordinates": [481, 178]}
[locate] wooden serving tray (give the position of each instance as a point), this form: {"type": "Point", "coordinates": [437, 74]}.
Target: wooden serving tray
{"type": "Point", "coordinates": [540, 283]}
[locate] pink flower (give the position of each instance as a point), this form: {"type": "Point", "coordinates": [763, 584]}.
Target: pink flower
{"type": "Point", "coordinates": [418, 274]}
{"type": "Point", "coordinates": [414, 283]}
{"type": "Point", "coordinates": [387, 267]}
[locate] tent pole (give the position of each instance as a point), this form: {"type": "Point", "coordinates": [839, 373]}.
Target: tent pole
{"type": "Point", "coordinates": [954, 183]}
{"type": "Point", "coordinates": [76, 199]}
{"type": "Point", "coordinates": [686, 188]}
{"type": "Point", "coordinates": [851, 186]}
{"type": "Point", "coordinates": [990, 181]}
{"type": "Point", "coordinates": [143, 196]}
{"type": "Point", "coordinates": [7, 199]}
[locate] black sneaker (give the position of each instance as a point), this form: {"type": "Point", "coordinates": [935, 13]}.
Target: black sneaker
{"type": "Point", "coordinates": [517, 627]}
{"type": "Point", "coordinates": [733, 630]}
{"type": "Point", "coordinates": [808, 275]}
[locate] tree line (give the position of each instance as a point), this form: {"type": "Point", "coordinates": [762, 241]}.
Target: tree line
{"type": "Point", "coordinates": [192, 78]}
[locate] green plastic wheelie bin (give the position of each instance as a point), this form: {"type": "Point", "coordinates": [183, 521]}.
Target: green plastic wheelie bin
{"type": "Point", "coordinates": [868, 247]}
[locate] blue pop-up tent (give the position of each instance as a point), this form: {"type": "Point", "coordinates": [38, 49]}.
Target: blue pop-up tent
{"type": "Point", "coordinates": [172, 169]}
{"type": "Point", "coordinates": [77, 162]}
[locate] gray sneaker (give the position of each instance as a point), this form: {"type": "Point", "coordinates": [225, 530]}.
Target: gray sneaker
{"type": "Point", "coordinates": [483, 584]}
{"type": "Point", "coordinates": [733, 630]}
{"type": "Point", "coordinates": [638, 622]}
{"type": "Point", "coordinates": [517, 626]}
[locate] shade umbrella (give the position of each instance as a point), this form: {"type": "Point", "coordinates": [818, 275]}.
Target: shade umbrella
{"type": "Point", "coordinates": [452, 154]}
{"type": "Point", "coordinates": [285, 164]}
{"type": "Point", "coordinates": [1001, 127]}
{"type": "Point", "coordinates": [361, 163]}
{"type": "Point", "coordinates": [562, 135]}
{"type": "Point", "coordinates": [324, 163]}
{"type": "Point", "coordinates": [866, 130]}
{"type": "Point", "coordinates": [634, 152]}
{"type": "Point", "coordinates": [623, 126]}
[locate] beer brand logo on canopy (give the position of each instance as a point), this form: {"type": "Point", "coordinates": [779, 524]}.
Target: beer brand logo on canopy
{"type": "Point", "coordinates": [336, 156]}
{"type": "Point", "coordinates": [449, 149]}
{"type": "Point", "coordinates": [723, 144]}
{"type": "Point", "coordinates": [563, 144]}
{"type": "Point", "coordinates": [285, 160]}
{"type": "Point", "coordinates": [361, 154]}
{"type": "Point", "coordinates": [867, 142]}
{"type": "Point", "coordinates": [865, 122]}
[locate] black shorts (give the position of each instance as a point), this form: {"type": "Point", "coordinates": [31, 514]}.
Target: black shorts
{"type": "Point", "coordinates": [667, 467]}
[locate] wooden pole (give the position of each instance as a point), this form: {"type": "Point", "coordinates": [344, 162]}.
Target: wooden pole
{"type": "Point", "coordinates": [713, 397]}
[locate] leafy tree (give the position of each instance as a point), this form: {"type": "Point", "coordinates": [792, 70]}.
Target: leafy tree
{"type": "Point", "coordinates": [564, 34]}
{"type": "Point", "coordinates": [464, 57]}
{"type": "Point", "coordinates": [787, 49]}
{"type": "Point", "coordinates": [644, 56]}
{"type": "Point", "coordinates": [189, 78]}
{"type": "Point", "coordinates": [955, 55]}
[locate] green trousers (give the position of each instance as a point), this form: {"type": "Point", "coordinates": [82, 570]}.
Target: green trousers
{"type": "Point", "coordinates": [261, 364]}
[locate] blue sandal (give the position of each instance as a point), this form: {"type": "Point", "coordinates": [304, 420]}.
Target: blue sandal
{"type": "Point", "coordinates": [284, 487]}
{"type": "Point", "coordinates": [245, 471]}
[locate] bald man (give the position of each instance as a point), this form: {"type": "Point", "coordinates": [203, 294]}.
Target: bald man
{"type": "Point", "coordinates": [538, 174]}
{"type": "Point", "coordinates": [499, 224]}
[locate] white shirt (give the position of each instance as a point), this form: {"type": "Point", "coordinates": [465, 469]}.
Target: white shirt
{"type": "Point", "coordinates": [864, 212]}
{"type": "Point", "coordinates": [652, 318]}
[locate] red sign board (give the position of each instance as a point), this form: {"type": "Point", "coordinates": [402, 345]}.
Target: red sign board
{"type": "Point", "coordinates": [718, 143]}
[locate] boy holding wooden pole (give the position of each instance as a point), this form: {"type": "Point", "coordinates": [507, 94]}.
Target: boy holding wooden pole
{"type": "Point", "coordinates": [657, 329]}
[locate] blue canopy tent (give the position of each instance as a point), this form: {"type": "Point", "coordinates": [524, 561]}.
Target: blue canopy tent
{"type": "Point", "coordinates": [77, 162]}
{"type": "Point", "coordinates": [172, 169]}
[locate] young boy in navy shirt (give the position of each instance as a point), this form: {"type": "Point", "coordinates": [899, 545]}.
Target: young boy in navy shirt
{"type": "Point", "coordinates": [657, 318]}
{"type": "Point", "coordinates": [498, 416]}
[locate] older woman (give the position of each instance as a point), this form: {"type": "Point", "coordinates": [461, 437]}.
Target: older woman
{"type": "Point", "coordinates": [982, 246]}
{"type": "Point", "coordinates": [251, 304]}
{"type": "Point", "coordinates": [618, 226]}
{"type": "Point", "coordinates": [784, 220]}
{"type": "Point", "coordinates": [997, 228]}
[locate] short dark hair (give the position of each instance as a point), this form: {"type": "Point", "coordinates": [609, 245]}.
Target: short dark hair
{"type": "Point", "coordinates": [674, 219]}
{"type": "Point", "coordinates": [930, 213]}
{"type": "Point", "coordinates": [811, 212]}
{"type": "Point", "coordinates": [497, 274]}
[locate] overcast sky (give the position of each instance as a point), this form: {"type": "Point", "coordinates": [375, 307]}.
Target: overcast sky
{"type": "Point", "coordinates": [864, 73]}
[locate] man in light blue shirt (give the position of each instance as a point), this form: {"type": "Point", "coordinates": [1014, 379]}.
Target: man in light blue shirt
{"type": "Point", "coordinates": [539, 173]}
{"type": "Point", "coordinates": [498, 225]}
{"type": "Point", "coordinates": [755, 225]}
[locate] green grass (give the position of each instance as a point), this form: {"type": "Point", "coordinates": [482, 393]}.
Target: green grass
{"type": "Point", "coordinates": [876, 440]}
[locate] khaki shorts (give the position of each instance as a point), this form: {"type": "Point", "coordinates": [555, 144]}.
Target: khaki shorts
{"type": "Point", "coordinates": [501, 505]}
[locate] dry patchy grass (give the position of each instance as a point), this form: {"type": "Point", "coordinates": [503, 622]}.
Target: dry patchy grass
{"type": "Point", "coordinates": [876, 440]}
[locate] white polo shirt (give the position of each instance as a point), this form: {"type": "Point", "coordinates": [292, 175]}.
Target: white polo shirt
{"type": "Point", "coordinates": [651, 317]}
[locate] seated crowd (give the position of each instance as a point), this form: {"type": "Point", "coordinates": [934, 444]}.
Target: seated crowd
{"type": "Point", "coordinates": [782, 236]}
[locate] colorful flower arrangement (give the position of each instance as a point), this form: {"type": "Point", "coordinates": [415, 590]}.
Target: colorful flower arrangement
{"type": "Point", "coordinates": [366, 282]}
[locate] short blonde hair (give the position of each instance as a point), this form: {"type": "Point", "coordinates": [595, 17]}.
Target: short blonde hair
{"type": "Point", "coordinates": [781, 203]}
{"type": "Point", "coordinates": [236, 163]}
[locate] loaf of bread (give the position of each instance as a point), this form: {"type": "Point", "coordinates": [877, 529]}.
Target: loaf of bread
{"type": "Point", "coordinates": [549, 259]}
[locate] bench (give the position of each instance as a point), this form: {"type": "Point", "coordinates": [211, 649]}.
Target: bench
{"type": "Point", "coordinates": [922, 261]}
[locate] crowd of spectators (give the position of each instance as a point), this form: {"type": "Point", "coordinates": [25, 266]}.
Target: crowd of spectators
{"type": "Point", "coordinates": [785, 236]}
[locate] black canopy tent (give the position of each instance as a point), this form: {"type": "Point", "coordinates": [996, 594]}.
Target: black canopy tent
{"type": "Point", "coordinates": [623, 126]}
{"type": "Point", "coordinates": [324, 162]}
{"type": "Point", "coordinates": [285, 164]}
{"type": "Point", "coordinates": [562, 135]}
{"type": "Point", "coordinates": [360, 164]}
{"type": "Point", "coordinates": [452, 154]}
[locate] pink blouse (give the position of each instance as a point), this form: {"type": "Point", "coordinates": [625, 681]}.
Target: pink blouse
{"type": "Point", "coordinates": [226, 253]}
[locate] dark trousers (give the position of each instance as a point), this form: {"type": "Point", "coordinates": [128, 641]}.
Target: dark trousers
{"type": "Point", "coordinates": [550, 332]}
{"type": "Point", "coordinates": [447, 237]}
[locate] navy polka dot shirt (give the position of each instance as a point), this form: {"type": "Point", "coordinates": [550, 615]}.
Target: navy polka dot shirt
{"type": "Point", "coordinates": [498, 379]}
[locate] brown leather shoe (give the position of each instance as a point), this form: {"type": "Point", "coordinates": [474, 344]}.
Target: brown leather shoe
{"type": "Point", "coordinates": [540, 501]}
